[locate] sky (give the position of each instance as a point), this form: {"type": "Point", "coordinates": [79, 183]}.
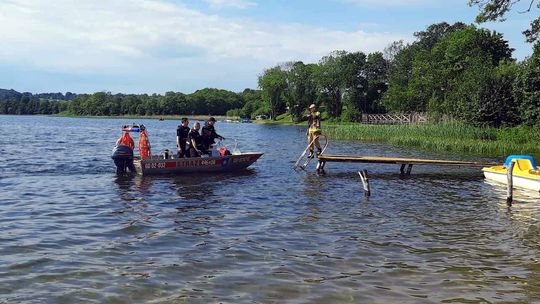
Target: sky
{"type": "Point", "coordinates": [155, 46]}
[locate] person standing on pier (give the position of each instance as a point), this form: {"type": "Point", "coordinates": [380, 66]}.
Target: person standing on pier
{"type": "Point", "coordinates": [182, 134]}
{"type": "Point", "coordinates": [314, 129]}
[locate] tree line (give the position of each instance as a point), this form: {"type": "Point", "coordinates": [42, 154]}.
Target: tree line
{"type": "Point", "coordinates": [13, 102]}
{"type": "Point", "coordinates": [459, 71]}
{"type": "Point", "coordinates": [455, 71]}
{"type": "Point", "coordinates": [202, 102]}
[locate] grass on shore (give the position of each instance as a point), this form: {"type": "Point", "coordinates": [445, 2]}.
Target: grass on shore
{"type": "Point", "coordinates": [449, 137]}
{"type": "Point", "coordinates": [454, 137]}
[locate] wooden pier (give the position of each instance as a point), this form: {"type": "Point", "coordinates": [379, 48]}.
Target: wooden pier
{"type": "Point", "coordinates": [404, 162]}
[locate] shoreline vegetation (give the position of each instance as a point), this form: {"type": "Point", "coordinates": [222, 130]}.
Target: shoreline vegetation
{"type": "Point", "coordinates": [454, 137]}
{"type": "Point", "coordinates": [450, 137]}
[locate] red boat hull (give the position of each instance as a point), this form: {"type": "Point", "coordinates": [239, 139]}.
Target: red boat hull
{"type": "Point", "coordinates": [158, 165]}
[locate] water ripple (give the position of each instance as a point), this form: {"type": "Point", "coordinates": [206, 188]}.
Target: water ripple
{"type": "Point", "coordinates": [73, 232]}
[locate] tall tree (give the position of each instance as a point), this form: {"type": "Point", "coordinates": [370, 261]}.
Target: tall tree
{"type": "Point", "coordinates": [398, 98]}
{"type": "Point", "coordinates": [427, 39]}
{"type": "Point", "coordinates": [355, 85]}
{"type": "Point", "coordinates": [273, 83]}
{"type": "Point", "coordinates": [495, 10]}
{"type": "Point", "coordinates": [377, 79]}
{"type": "Point", "coordinates": [450, 78]}
{"type": "Point", "coordinates": [253, 103]}
{"type": "Point", "coordinates": [331, 83]}
{"type": "Point", "coordinates": [301, 88]}
{"type": "Point", "coordinates": [526, 88]}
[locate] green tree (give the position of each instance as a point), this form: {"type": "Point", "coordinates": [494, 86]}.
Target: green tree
{"type": "Point", "coordinates": [377, 80]}
{"type": "Point", "coordinates": [526, 87]}
{"type": "Point", "coordinates": [331, 82]}
{"type": "Point", "coordinates": [497, 105]}
{"type": "Point", "coordinates": [427, 39]}
{"type": "Point", "coordinates": [451, 77]}
{"type": "Point", "coordinates": [253, 103]}
{"type": "Point", "coordinates": [495, 10]}
{"type": "Point", "coordinates": [355, 85]}
{"type": "Point", "coordinates": [273, 83]}
{"type": "Point", "coordinates": [448, 78]}
{"type": "Point", "coordinates": [399, 97]}
{"type": "Point", "coordinates": [301, 88]}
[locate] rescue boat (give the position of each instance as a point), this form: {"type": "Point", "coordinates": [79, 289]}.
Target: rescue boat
{"type": "Point", "coordinates": [526, 174]}
{"type": "Point", "coordinates": [158, 164]}
{"type": "Point", "coordinates": [151, 164]}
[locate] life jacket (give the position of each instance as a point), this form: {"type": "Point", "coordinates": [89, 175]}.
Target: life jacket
{"type": "Point", "coordinates": [224, 151]}
{"type": "Point", "coordinates": [144, 146]}
{"type": "Point", "coordinates": [126, 140]}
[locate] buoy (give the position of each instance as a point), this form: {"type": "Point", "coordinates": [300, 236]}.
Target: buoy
{"type": "Point", "coordinates": [144, 146]}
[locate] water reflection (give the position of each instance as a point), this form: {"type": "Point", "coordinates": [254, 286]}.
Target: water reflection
{"type": "Point", "coordinates": [314, 186]}
{"type": "Point", "coordinates": [187, 187]}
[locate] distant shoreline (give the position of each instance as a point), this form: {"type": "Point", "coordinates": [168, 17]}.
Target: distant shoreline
{"type": "Point", "coordinates": [158, 117]}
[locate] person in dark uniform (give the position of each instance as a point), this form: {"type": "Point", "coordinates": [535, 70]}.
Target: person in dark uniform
{"type": "Point", "coordinates": [209, 134]}
{"type": "Point", "coordinates": [122, 154]}
{"type": "Point", "coordinates": [182, 134]}
{"type": "Point", "coordinates": [196, 146]}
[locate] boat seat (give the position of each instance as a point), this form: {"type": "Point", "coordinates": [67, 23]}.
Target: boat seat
{"type": "Point", "coordinates": [523, 162]}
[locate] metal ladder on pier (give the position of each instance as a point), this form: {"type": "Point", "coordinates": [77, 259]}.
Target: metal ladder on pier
{"type": "Point", "coordinates": [304, 159]}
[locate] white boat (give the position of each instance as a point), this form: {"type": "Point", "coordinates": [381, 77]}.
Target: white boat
{"type": "Point", "coordinates": [525, 175]}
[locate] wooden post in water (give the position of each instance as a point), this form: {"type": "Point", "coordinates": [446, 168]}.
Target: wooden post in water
{"type": "Point", "coordinates": [365, 182]}
{"type": "Point", "coordinates": [402, 169]}
{"type": "Point", "coordinates": [409, 168]}
{"type": "Point", "coordinates": [510, 183]}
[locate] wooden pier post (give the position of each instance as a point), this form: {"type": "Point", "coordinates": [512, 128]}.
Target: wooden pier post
{"type": "Point", "coordinates": [409, 168]}
{"type": "Point", "coordinates": [365, 182]}
{"type": "Point", "coordinates": [510, 183]}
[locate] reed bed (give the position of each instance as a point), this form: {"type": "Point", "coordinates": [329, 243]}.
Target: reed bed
{"type": "Point", "coordinates": [451, 137]}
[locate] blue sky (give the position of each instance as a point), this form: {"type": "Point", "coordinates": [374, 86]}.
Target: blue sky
{"type": "Point", "coordinates": [154, 46]}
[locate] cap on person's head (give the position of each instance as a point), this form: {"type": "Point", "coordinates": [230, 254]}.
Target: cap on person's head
{"type": "Point", "coordinates": [312, 106]}
{"type": "Point", "coordinates": [212, 119]}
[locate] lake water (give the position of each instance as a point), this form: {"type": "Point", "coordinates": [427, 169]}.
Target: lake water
{"type": "Point", "coordinates": [73, 232]}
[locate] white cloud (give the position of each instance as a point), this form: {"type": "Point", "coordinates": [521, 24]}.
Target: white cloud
{"type": "Point", "coordinates": [240, 4]}
{"type": "Point", "coordinates": [118, 37]}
